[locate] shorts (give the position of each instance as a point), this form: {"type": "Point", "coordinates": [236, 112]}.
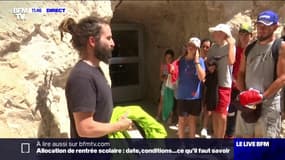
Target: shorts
{"type": "Point", "coordinates": [186, 107]}
{"type": "Point", "coordinates": [243, 129]}
{"type": "Point", "coordinates": [224, 100]}
{"type": "Point", "coordinates": [267, 126]}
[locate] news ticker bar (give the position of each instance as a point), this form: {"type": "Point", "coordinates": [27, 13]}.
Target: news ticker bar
{"type": "Point", "coordinates": [213, 149]}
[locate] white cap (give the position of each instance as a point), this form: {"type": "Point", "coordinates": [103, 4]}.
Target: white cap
{"type": "Point", "coordinates": [196, 41]}
{"type": "Point", "coordinates": [223, 28]}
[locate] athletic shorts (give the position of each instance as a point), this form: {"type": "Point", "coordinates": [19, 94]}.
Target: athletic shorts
{"type": "Point", "coordinates": [186, 107]}
{"type": "Point", "coordinates": [267, 126]}
{"type": "Point", "coordinates": [224, 100]}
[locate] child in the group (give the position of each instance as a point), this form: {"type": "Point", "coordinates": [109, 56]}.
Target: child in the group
{"type": "Point", "coordinates": [168, 58]}
{"type": "Point", "coordinates": [191, 73]}
{"type": "Point", "coordinates": [223, 52]}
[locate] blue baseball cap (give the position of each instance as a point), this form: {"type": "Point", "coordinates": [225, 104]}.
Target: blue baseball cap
{"type": "Point", "coordinates": [267, 18]}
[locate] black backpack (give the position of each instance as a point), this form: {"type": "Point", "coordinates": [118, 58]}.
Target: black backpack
{"type": "Point", "coordinates": [251, 116]}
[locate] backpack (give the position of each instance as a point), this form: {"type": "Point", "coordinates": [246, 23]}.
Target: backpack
{"type": "Point", "coordinates": [251, 116]}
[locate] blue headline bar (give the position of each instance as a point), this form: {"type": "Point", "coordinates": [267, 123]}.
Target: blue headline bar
{"type": "Point", "coordinates": [142, 149]}
{"type": "Point", "coordinates": [47, 149]}
{"type": "Point", "coordinates": [259, 149]}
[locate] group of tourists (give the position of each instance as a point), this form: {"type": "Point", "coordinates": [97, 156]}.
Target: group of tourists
{"type": "Point", "coordinates": [234, 84]}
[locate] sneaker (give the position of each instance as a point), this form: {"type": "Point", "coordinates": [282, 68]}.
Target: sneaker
{"type": "Point", "coordinates": [204, 133]}
{"type": "Point", "coordinates": [173, 127]}
{"type": "Point", "coordinates": [197, 136]}
{"type": "Point", "coordinates": [208, 136]}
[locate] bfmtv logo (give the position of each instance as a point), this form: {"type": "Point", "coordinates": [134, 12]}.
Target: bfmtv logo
{"type": "Point", "coordinates": [20, 13]}
{"type": "Point", "coordinates": [20, 16]}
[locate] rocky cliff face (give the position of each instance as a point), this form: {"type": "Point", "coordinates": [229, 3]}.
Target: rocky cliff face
{"type": "Point", "coordinates": [34, 64]}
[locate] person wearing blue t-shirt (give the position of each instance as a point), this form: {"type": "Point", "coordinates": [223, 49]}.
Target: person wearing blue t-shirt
{"type": "Point", "coordinates": [189, 92]}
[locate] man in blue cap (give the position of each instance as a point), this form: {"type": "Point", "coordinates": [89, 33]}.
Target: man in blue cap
{"type": "Point", "coordinates": [261, 78]}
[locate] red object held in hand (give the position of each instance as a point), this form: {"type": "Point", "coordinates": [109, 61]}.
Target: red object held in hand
{"type": "Point", "coordinates": [250, 97]}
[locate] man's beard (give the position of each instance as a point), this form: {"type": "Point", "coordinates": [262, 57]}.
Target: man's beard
{"type": "Point", "coordinates": [264, 37]}
{"type": "Point", "coordinates": [102, 53]}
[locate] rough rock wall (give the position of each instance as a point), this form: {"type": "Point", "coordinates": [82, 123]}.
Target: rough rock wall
{"type": "Point", "coordinates": [34, 65]}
